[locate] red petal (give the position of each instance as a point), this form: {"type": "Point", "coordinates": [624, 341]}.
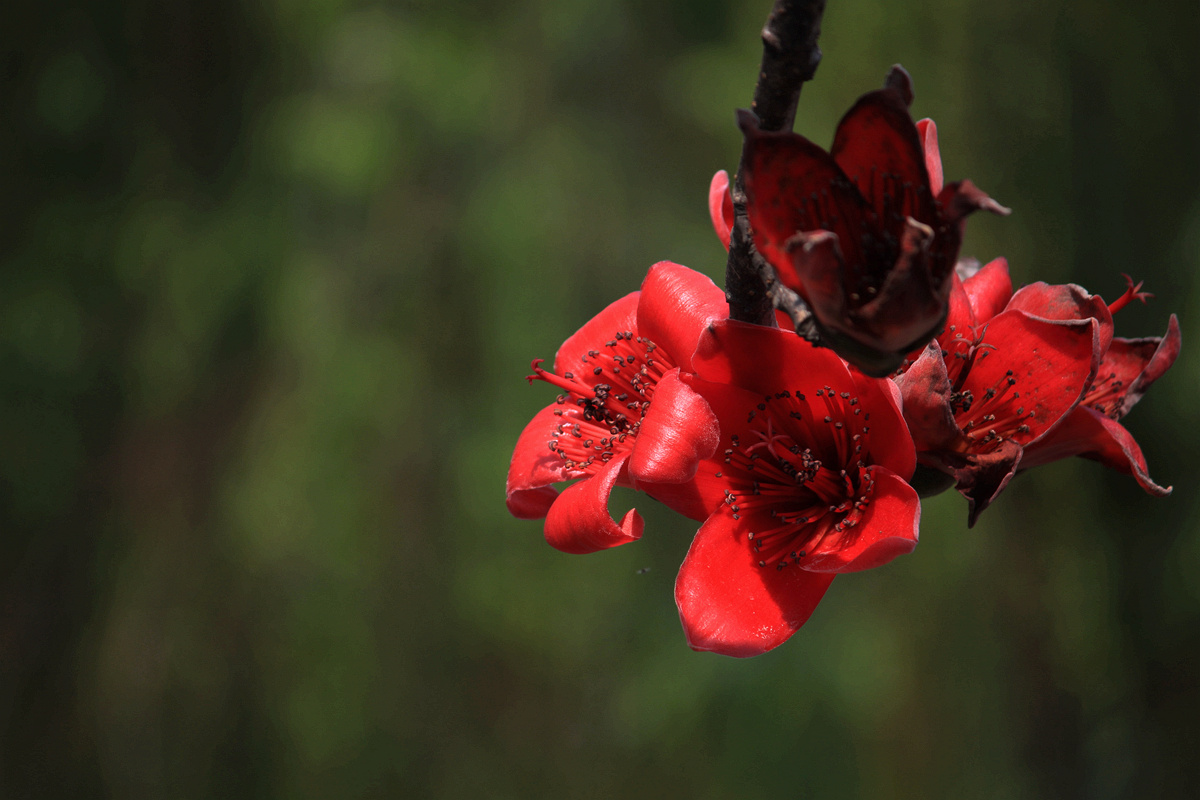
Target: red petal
{"type": "Point", "coordinates": [890, 444]}
{"type": "Point", "coordinates": [794, 186]}
{"type": "Point", "coordinates": [888, 528]}
{"type": "Point", "coordinates": [1066, 302]}
{"type": "Point", "coordinates": [927, 130]}
{"type": "Point", "coordinates": [963, 198]}
{"type": "Point", "coordinates": [579, 521]}
{"type": "Point", "coordinates": [989, 290]}
{"type": "Point", "coordinates": [531, 503]}
{"type": "Point", "coordinates": [909, 307]}
{"type": "Point", "coordinates": [676, 433]}
{"type": "Point", "coordinates": [729, 405]}
{"type": "Point", "coordinates": [766, 360]}
{"type": "Point", "coordinates": [926, 390]}
{"type": "Point", "coordinates": [677, 305]}
{"type": "Point", "coordinates": [1088, 433]}
{"type": "Point", "coordinates": [620, 315]}
{"type": "Point", "coordinates": [1163, 357]}
{"type": "Point", "coordinates": [1052, 362]}
{"type": "Point", "coordinates": [817, 272]}
{"type": "Point", "coordinates": [689, 499]}
{"type": "Point", "coordinates": [982, 481]}
{"type": "Point", "coordinates": [534, 467]}
{"type": "Point", "coordinates": [960, 320]}
{"type": "Point", "coordinates": [720, 206]}
{"type": "Point", "coordinates": [730, 605]}
{"type": "Point", "coordinates": [878, 147]}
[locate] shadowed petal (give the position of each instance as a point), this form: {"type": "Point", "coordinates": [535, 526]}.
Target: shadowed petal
{"type": "Point", "coordinates": [730, 605]}
{"type": "Point", "coordinates": [793, 186]}
{"type": "Point", "coordinates": [579, 521]}
{"type": "Point", "coordinates": [888, 528]}
{"type": "Point", "coordinates": [908, 309]}
{"type": "Point", "coordinates": [878, 147]}
{"type": "Point", "coordinates": [817, 270]}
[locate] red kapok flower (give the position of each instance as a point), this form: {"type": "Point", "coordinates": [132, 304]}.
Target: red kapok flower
{"type": "Point", "coordinates": [1127, 370]}
{"type": "Point", "coordinates": [866, 233]}
{"type": "Point", "coordinates": [809, 481]}
{"type": "Point", "coordinates": [993, 385]}
{"type": "Point", "coordinates": [624, 417]}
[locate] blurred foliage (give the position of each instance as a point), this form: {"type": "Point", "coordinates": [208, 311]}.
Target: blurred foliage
{"type": "Point", "coordinates": [270, 277]}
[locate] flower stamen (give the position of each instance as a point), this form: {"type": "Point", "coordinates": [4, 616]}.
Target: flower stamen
{"type": "Point", "coordinates": [807, 493]}
{"type": "Point", "coordinates": [603, 406]}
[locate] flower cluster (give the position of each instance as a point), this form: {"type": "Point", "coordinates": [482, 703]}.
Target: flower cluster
{"type": "Point", "coordinates": [1020, 379]}
{"type": "Point", "coordinates": [798, 461]}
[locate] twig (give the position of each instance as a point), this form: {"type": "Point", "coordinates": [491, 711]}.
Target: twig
{"type": "Point", "coordinates": [790, 57]}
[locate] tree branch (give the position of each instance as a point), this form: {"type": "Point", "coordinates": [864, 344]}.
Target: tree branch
{"type": "Point", "coordinates": [790, 57]}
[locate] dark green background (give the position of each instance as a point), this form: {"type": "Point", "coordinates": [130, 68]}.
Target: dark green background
{"type": "Point", "coordinates": [272, 274]}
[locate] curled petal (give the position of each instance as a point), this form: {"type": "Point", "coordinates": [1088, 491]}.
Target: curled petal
{"type": "Point", "coordinates": [534, 467]}
{"type": "Point", "coordinates": [579, 521]}
{"type": "Point", "coordinates": [926, 390]}
{"type": "Point", "coordinates": [888, 528]}
{"type": "Point", "coordinates": [989, 290]}
{"type": "Point", "coordinates": [984, 478]}
{"type": "Point", "coordinates": [677, 432]}
{"type": "Point", "coordinates": [1160, 361]}
{"type": "Point", "coordinates": [927, 130]}
{"type": "Point", "coordinates": [817, 273]}
{"type": "Point", "coordinates": [531, 503]}
{"type": "Point", "coordinates": [962, 198]}
{"type": "Point", "coordinates": [720, 206]}
{"type": "Point", "coordinates": [1065, 301]}
{"type": "Point", "coordinates": [677, 305]}
{"type": "Point", "coordinates": [1088, 433]}
{"type": "Point", "coordinates": [620, 315]}
{"type": "Point", "coordinates": [730, 605]}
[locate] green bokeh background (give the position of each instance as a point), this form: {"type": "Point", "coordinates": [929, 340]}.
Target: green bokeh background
{"type": "Point", "coordinates": [271, 274]}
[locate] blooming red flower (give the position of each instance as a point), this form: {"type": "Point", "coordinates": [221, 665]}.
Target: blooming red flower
{"type": "Point", "coordinates": [1126, 371]}
{"type": "Point", "coordinates": [624, 417]}
{"type": "Point", "coordinates": [866, 233]}
{"type": "Point", "coordinates": [809, 481]}
{"type": "Point", "coordinates": [996, 383]}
